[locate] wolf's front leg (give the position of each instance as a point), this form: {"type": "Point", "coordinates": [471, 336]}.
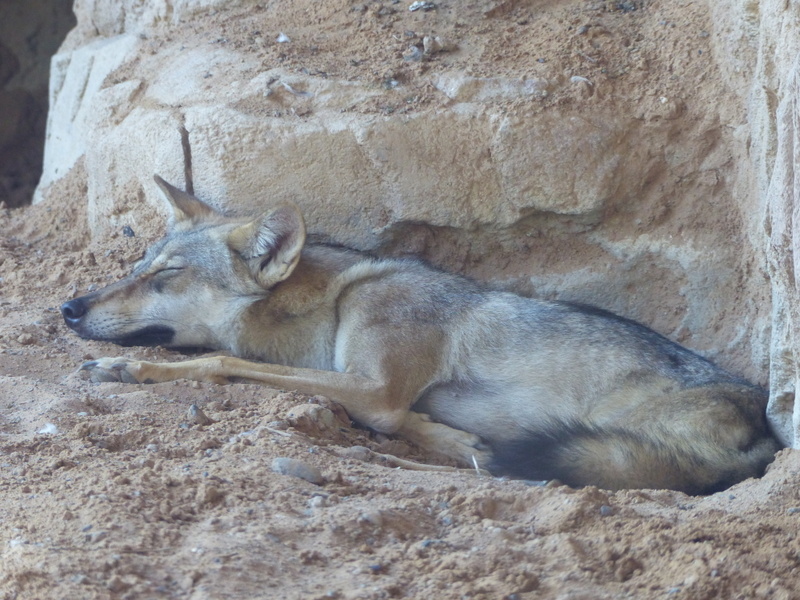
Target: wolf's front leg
{"type": "Point", "coordinates": [127, 370]}
{"type": "Point", "coordinates": [365, 399]}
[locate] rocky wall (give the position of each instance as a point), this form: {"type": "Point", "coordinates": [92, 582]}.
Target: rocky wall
{"type": "Point", "coordinates": [776, 104]}
{"type": "Point", "coordinates": [623, 154]}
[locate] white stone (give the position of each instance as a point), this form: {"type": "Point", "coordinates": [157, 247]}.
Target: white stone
{"type": "Point", "coordinates": [75, 80]}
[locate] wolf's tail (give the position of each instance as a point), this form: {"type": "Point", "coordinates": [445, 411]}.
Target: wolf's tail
{"type": "Point", "coordinates": [616, 458]}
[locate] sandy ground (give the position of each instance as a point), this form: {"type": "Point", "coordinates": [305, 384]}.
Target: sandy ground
{"type": "Point", "coordinates": [113, 491]}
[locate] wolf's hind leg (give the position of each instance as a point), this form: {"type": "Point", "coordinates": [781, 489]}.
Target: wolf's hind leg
{"type": "Point", "coordinates": [441, 439]}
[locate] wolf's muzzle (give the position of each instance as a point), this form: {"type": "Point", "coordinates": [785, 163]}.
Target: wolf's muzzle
{"type": "Point", "coordinates": [73, 311]}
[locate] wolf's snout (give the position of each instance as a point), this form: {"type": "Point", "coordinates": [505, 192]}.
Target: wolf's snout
{"type": "Point", "coordinates": [73, 311]}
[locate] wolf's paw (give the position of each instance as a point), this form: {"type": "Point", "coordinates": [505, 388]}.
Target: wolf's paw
{"type": "Point", "coordinates": [463, 446]}
{"type": "Point", "coordinates": [466, 446]}
{"type": "Point", "coordinates": [113, 369]}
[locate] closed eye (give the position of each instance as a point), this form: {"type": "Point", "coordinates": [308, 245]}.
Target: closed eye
{"type": "Point", "coordinates": [162, 277]}
{"type": "Point", "coordinates": [167, 271]}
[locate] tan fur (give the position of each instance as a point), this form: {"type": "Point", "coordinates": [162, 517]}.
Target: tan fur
{"type": "Point", "coordinates": [531, 388]}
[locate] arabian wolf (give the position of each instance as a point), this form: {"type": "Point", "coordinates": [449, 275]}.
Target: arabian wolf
{"type": "Point", "coordinates": [522, 387]}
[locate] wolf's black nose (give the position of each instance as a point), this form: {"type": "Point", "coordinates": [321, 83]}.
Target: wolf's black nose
{"type": "Point", "coordinates": [73, 311]}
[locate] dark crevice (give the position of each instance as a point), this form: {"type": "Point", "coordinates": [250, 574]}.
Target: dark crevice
{"type": "Point", "coordinates": [187, 160]}
{"type": "Point", "coordinates": [24, 74]}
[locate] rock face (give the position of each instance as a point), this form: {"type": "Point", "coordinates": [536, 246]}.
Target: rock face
{"type": "Point", "coordinates": [622, 154]}
{"type": "Point", "coordinates": [781, 178]}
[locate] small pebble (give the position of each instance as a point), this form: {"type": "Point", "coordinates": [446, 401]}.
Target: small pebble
{"type": "Point", "coordinates": [297, 468]}
{"type": "Point", "coordinates": [318, 502]}
{"type": "Point", "coordinates": [283, 38]}
{"type": "Point", "coordinates": [374, 517]}
{"type": "Point", "coordinates": [26, 339]}
{"type": "Point", "coordinates": [48, 429]}
{"type": "Point", "coordinates": [431, 45]}
{"type": "Point", "coordinates": [196, 415]}
{"type": "Point", "coordinates": [579, 79]}
{"type": "Point", "coordinates": [434, 44]}
{"type": "Point", "coordinates": [419, 5]}
{"type": "Point", "coordinates": [413, 54]}
{"type": "Point", "coordinates": [357, 452]}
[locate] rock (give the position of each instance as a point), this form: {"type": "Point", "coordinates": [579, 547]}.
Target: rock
{"type": "Point", "coordinates": [26, 339]}
{"type": "Point", "coordinates": [318, 502]}
{"type": "Point", "coordinates": [75, 96]}
{"type": "Point", "coordinates": [420, 5]}
{"type": "Point", "coordinates": [434, 44]}
{"type": "Point", "coordinates": [357, 453]}
{"type": "Point", "coordinates": [313, 419]}
{"type": "Point", "coordinates": [783, 195]}
{"type": "Point", "coordinates": [431, 45]}
{"type": "Point", "coordinates": [372, 517]}
{"type": "Point", "coordinates": [297, 468]}
{"type": "Point", "coordinates": [413, 54]}
{"type": "Point", "coordinates": [197, 416]}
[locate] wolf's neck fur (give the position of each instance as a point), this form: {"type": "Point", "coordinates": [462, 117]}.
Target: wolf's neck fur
{"type": "Point", "coordinates": [269, 328]}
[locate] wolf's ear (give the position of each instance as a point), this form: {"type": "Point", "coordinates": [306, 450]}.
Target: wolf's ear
{"type": "Point", "coordinates": [272, 244]}
{"type": "Point", "coordinates": [185, 206]}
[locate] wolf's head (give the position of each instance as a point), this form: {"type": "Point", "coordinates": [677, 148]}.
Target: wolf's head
{"type": "Point", "coordinates": [190, 287]}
